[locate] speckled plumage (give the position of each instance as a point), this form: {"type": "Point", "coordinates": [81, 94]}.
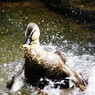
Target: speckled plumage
{"type": "Point", "coordinates": [41, 65]}
{"type": "Point", "coordinates": [47, 64]}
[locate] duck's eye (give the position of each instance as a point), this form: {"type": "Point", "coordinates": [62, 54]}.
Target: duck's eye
{"type": "Point", "coordinates": [29, 30]}
{"type": "Point", "coordinates": [32, 33]}
{"type": "Point", "coordinates": [28, 33]}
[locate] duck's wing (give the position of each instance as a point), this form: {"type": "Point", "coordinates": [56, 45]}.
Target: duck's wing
{"type": "Point", "coordinates": [85, 81]}
{"type": "Point", "coordinates": [17, 81]}
{"type": "Point", "coordinates": [61, 56]}
{"type": "Point", "coordinates": [79, 82]}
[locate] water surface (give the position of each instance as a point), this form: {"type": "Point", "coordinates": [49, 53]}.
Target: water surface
{"type": "Point", "coordinates": [75, 41]}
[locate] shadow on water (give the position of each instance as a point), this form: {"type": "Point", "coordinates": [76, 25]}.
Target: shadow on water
{"type": "Point", "coordinates": [77, 12]}
{"type": "Point", "coordinates": [58, 32]}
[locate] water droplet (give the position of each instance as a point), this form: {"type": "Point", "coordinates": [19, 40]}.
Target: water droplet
{"type": "Point", "coordinates": [9, 19]}
{"type": "Point", "coordinates": [26, 17]}
{"type": "Point", "coordinates": [42, 20]}
{"type": "Point", "coordinates": [73, 11]}
{"type": "Point", "coordinates": [5, 65]}
{"type": "Point", "coordinates": [47, 29]}
{"type": "Point", "coordinates": [3, 11]}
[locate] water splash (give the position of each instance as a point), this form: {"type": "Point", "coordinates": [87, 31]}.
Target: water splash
{"type": "Point", "coordinates": [91, 87]}
{"type": "Point", "coordinates": [84, 64]}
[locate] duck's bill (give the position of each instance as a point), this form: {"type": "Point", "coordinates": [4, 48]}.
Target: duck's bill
{"type": "Point", "coordinates": [28, 41]}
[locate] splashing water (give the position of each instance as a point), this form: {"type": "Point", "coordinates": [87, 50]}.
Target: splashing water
{"type": "Point", "coordinates": [91, 87]}
{"type": "Point", "coordinates": [55, 29]}
{"type": "Point", "coordinates": [81, 64]}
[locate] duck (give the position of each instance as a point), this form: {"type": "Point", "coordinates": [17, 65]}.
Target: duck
{"type": "Point", "coordinates": [41, 66]}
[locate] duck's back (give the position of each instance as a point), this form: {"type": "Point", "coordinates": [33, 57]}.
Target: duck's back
{"type": "Point", "coordinates": [44, 65]}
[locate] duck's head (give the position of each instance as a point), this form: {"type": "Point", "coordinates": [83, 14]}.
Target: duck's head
{"type": "Point", "coordinates": [32, 34]}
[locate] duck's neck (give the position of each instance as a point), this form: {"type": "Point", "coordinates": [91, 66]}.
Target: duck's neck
{"type": "Point", "coordinates": [35, 42]}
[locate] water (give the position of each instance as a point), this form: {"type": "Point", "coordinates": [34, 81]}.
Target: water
{"type": "Point", "coordinates": [75, 41]}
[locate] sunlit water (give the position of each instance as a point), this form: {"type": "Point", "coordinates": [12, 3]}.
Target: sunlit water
{"type": "Point", "coordinates": [76, 42]}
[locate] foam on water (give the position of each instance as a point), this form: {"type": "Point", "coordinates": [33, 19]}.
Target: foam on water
{"type": "Point", "coordinates": [91, 86]}
{"type": "Point", "coordinates": [84, 64]}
